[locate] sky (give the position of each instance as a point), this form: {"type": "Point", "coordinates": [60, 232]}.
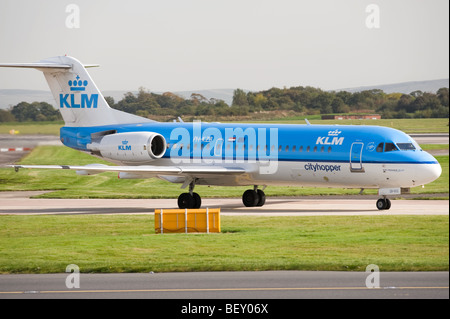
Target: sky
{"type": "Point", "coordinates": [180, 45]}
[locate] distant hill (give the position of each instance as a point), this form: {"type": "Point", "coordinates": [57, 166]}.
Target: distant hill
{"type": "Point", "coordinates": [15, 96]}
{"type": "Point", "coordinates": [405, 87]}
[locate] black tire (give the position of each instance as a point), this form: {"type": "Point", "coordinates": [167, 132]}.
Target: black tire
{"type": "Point", "coordinates": [185, 200]}
{"type": "Point", "coordinates": [381, 204]}
{"type": "Point", "coordinates": [388, 203]}
{"type": "Point", "coordinates": [250, 198]}
{"type": "Point", "coordinates": [197, 200]}
{"type": "Point", "coordinates": [261, 198]}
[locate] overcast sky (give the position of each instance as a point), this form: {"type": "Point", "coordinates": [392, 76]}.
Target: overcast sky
{"type": "Point", "coordinates": [176, 45]}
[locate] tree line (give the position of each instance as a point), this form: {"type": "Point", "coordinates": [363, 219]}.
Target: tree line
{"type": "Point", "coordinates": [308, 100]}
{"type": "Point", "coordinates": [24, 112]}
{"type": "Point", "coordinates": [299, 100]}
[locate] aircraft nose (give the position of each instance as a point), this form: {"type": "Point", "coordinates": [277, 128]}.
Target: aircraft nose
{"type": "Point", "coordinates": [435, 171]}
{"type": "Point", "coordinates": [430, 172]}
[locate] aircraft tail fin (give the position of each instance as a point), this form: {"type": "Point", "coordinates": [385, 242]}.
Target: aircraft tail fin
{"type": "Point", "coordinates": [77, 97]}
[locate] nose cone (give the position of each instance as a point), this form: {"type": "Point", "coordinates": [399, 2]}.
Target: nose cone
{"type": "Point", "coordinates": [433, 172]}
{"type": "Point", "coordinates": [430, 171]}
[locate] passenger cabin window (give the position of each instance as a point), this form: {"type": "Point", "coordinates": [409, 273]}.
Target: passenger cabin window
{"type": "Point", "coordinates": [406, 146]}
{"type": "Point", "coordinates": [390, 147]}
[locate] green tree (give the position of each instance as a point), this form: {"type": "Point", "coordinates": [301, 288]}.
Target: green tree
{"type": "Point", "coordinates": [6, 116]}
{"type": "Point", "coordinates": [25, 112]}
{"type": "Point", "coordinates": [323, 102]}
{"type": "Point", "coordinates": [405, 103]}
{"type": "Point", "coordinates": [239, 97]}
{"type": "Point", "coordinates": [110, 101]}
{"type": "Point", "coordinates": [339, 106]}
{"type": "Point", "coordinates": [47, 111]}
{"type": "Point", "coordinates": [442, 95]}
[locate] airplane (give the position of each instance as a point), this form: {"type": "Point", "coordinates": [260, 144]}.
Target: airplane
{"type": "Point", "coordinates": [225, 154]}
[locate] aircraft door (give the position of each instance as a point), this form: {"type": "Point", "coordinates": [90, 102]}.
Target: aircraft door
{"type": "Point", "coordinates": [356, 158]}
{"type": "Point", "coordinates": [218, 147]}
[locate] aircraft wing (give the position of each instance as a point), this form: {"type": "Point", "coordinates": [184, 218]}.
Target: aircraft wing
{"type": "Point", "coordinates": [147, 170]}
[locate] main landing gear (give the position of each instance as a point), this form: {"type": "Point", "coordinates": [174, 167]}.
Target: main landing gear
{"type": "Point", "coordinates": [189, 200]}
{"type": "Point", "coordinates": [250, 198]}
{"type": "Point", "coordinates": [383, 203]}
{"type": "Point", "coordinates": [254, 197]}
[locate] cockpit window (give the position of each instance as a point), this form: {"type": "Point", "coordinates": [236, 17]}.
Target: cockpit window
{"type": "Point", "coordinates": [390, 147]}
{"type": "Point", "coordinates": [406, 146]}
{"type": "Point", "coordinates": [380, 147]}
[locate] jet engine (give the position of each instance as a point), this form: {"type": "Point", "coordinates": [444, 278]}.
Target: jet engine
{"type": "Point", "coordinates": [130, 147]}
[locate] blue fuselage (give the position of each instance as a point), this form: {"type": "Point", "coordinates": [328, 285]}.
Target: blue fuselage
{"type": "Point", "coordinates": [310, 143]}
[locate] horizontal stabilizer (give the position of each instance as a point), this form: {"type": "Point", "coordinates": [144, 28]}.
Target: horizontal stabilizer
{"type": "Point", "coordinates": [42, 65]}
{"type": "Point", "coordinates": [37, 65]}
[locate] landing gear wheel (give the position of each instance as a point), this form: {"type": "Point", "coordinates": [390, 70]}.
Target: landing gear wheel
{"type": "Point", "coordinates": [185, 200]}
{"type": "Point", "coordinates": [250, 198]}
{"type": "Point", "coordinates": [191, 199]}
{"type": "Point", "coordinates": [383, 204]}
{"type": "Point", "coordinates": [197, 200]}
{"type": "Point", "coordinates": [261, 198]}
{"type": "Point", "coordinates": [388, 203]}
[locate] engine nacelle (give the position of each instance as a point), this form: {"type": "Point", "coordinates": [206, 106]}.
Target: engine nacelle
{"type": "Point", "coordinates": [130, 147]}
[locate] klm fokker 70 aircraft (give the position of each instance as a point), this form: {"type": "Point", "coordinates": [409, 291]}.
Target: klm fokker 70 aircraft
{"type": "Point", "coordinates": [256, 155]}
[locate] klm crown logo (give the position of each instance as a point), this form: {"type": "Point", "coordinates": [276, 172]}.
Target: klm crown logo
{"type": "Point", "coordinates": [77, 101]}
{"type": "Point", "coordinates": [334, 133]}
{"type": "Point", "coordinates": [124, 146]}
{"type": "Point", "coordinates": [77, 84]}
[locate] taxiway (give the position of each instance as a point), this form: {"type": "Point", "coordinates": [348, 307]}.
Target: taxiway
{"type": "Point", "coordinates": [20, 203]}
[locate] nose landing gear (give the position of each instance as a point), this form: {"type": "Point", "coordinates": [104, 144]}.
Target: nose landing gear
{"type": "Point", "coordinates": [383, 203]}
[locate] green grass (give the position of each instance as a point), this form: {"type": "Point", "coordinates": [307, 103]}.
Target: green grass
{"type": "Point", "coordinates": [434, 147]}
{"type": "Point", "coordinates": [405, 125]}
{"type": "Point", "coordinates": [66, 184]}
{"type": "Point", "coordinates": [32, 128]}
{"type": "Point", "coordinates": [117, 243]}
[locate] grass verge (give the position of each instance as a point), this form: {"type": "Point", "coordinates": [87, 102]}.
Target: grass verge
{"type": "Point", "coordinates": [118, 243]}
{"type": "Point", "coordinates": [437, 125]}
